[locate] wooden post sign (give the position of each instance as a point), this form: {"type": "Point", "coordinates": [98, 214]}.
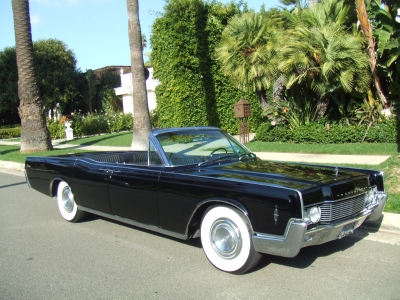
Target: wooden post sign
{"type": "Point", "coordinates": [242, 112]}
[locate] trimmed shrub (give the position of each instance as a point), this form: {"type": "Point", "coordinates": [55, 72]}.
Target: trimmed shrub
{"type": "Point", "coordinates": [57, 129]}
{"type": "Point", "coordinates": [9, 133]}
{"type": "Point", "coordinates": [317, 133]}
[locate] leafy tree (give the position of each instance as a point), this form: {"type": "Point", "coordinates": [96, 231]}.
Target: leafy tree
{"type": "Point", "coordinates": [8, 87]}
{"type": "Point", "coordinates": [92, 84]}
{"type": "Point", "coordinates": [57, 77]}
{"type": "Point", "coordinates": [366, 28]}
{"type": "Point", "coordinates": [323, 55]}
{"type": "Point", "coordinates": [56, 71]}
{"type": "Point", "coordinates": [249, 52]}
{"type": "Point", "coordinates": [387, 36]}
{"type": "Point", "coordinates": [141, 115]}
{"type": "Point", "coordinates": [34, 134]}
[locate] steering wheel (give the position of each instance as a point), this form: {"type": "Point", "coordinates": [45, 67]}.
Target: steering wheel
{"type": "Point", "coordinates": [215, 150]}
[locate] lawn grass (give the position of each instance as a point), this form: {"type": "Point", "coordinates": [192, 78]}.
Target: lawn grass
{"type": "Point", "coordinates": [11, 153]}
{"type": "Point", "coordinates": [122, 139]}
{"type": "Point", "coordinates": [391, 167]}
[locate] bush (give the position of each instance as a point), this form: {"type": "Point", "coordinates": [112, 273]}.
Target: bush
{"type": "Point", "coordinates": [9, 133]}
{"type": "Point", "coordinates": [57, 129]}
{"type": "Point", "coordinates": [10, 126]}
{"type": "Point", "coordinates": [317, 133]}
{"type": "Point", "coordinates": [383, 132]}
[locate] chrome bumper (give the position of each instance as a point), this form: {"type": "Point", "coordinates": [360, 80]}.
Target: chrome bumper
{"type": "Point", "coordinates": [297, 236]}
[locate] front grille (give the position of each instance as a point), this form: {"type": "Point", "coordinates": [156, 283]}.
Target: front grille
{"type": "Point", "coordinates": [342, 209]}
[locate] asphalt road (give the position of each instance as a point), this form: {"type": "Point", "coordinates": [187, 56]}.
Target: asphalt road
{"type": "Point", "coordinates": [44, 257]}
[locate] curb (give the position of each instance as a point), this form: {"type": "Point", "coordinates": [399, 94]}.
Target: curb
{"type": "Point", "coordinates": [12, 165]}
{"type": "Point", "coordinates": [388, 222]}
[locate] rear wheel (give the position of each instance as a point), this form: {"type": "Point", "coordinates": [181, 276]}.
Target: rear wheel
{"type": "Point", "coordinates": [66, 204]}
{"type": "Point", "coordinates": [226, 240]}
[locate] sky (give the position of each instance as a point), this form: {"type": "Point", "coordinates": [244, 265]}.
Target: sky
{"type": "Point", "coordinates": [95, 30]}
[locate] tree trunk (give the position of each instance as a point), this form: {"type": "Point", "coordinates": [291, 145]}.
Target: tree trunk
{"type": "Point", "coordinates": [35, 136]}
{"type": "Point", "coordinates": [141, 115]}
{"type": "Point", "coordinates": [366, 28]}
{"type": "Point", "coordinates": [322, 107]}
{"type": "Point", "coordinates": [262, 99]}
{"type": "Point", "coordinates": [279, 88]}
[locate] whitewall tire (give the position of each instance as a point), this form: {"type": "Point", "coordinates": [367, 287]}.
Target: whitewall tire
{"type": "Point", "coordinates": [66, 204]}
{"type": "Point", "coordinates": [226, 239]}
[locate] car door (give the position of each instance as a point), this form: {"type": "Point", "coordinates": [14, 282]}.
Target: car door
{"type": "Point", "coordinates": [90, 186]}
{"type": "Point", "coordinates": [133, 191]}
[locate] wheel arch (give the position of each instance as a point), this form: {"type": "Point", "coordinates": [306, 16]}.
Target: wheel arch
{"type": "Point", "coordinates": [193, 226]}
{"type": "Point", "coordinates": [54, 183]}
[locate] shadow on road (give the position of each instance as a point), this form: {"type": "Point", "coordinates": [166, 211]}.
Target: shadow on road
{"type": "Point", "coordinates": [308, 255]}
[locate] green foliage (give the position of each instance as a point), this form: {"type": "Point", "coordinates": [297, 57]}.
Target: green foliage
{"type": "Point", "coordinates": [318, 133]}
{"type": "Point", "coordinates": [94, 123]}
{"type": "Point", "coordinates": [249, 50]}
{"type": "Point", "coordinates": [57, 129]}
{"type": "Point", "coordinates": [294, 112]}
{"type": "Point", "coordinates": [387, 34]}
{"type": "Point", "coordinates": [322, 54]}
{"type": "Point", "coordinates": [56, 73]}
{"type": "Point", "coordinates": [8, 87]}
{"type": "Point", "coordinates": [193, 91]}
{"type": "Point", "coordinates": [9, 133]}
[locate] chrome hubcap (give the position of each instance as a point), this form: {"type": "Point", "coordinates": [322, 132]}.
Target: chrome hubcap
{"type": "Point", "coordinates": [225, 238]}
{"type": "Point", "coordinates": [67, 199]}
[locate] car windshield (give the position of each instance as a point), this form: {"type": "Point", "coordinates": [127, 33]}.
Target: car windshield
{"type": "Point", "coordinates": [194, 147]}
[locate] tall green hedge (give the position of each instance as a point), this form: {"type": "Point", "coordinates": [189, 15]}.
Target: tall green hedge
{"type": "Point", "coordinates": [317, 133]}
{"type": "Point", "coordinates": [193, 90]}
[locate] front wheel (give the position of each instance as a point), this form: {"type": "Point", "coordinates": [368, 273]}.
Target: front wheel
{"type": "Point", "coordinates": [226, 240]}
{"type": "Point", "coordinates": [66, 204]}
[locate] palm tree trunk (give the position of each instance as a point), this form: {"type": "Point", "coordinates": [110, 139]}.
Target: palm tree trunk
{"type": "Point", "coordinates": [366, 28]}
{"type": "Point", "coordinates": [322, 107]}
{"type": "Point", "coordinates": [35, 136]}
{"type": "Point", "coordinates": [141, 115]}
{"type": "Point", "coordinates": [262, 99]}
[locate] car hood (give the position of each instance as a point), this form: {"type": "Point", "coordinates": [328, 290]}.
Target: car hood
{"type": "Point", "coordinates": [296, 176]}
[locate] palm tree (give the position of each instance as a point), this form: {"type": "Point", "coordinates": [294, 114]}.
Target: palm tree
{"type": "Point", "coordinates": [248, 53]}
{"type": "Point", "coordinates": [141, 115]}
{"type": "Point", "coordinates": [366, 28]}
{"type": "Point", "coordinates": [35, 136]}
{"type": "Point", "coordinates": [321, 54]}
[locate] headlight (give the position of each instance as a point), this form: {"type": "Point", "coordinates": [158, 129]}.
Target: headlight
{"type": "Point", "coordinates": [370, 197]}
{"type": "Point", "coordinates": [313, 214]}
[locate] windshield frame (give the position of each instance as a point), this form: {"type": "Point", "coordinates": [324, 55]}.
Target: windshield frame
{"type": "Point", "coordinates": [195, 145]}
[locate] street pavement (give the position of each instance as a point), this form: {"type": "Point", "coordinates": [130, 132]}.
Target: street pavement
{"type": "Point", "coordinates": [45, 257]}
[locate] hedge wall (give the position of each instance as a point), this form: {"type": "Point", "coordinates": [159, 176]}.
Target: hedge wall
{"type": "Point", "coordinates": [315, 133]}
{"type": "Point", "coordinates": [193, 90]}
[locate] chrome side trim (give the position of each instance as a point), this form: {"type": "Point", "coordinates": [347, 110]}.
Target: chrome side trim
{"type": "Point", "coordinates": [134, 223]}
{"type": "Point", "coordinates": [27, 179]}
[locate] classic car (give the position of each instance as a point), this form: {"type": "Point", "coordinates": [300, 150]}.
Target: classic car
{"type": "Point", "coordinates": [200, 182]}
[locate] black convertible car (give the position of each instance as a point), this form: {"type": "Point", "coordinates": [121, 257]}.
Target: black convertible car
{"type": "Point", "coordinates": [201, 183]}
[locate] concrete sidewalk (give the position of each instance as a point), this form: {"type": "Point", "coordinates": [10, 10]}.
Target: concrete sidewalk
{"type": "Point", "coordinates": [324, 158]}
